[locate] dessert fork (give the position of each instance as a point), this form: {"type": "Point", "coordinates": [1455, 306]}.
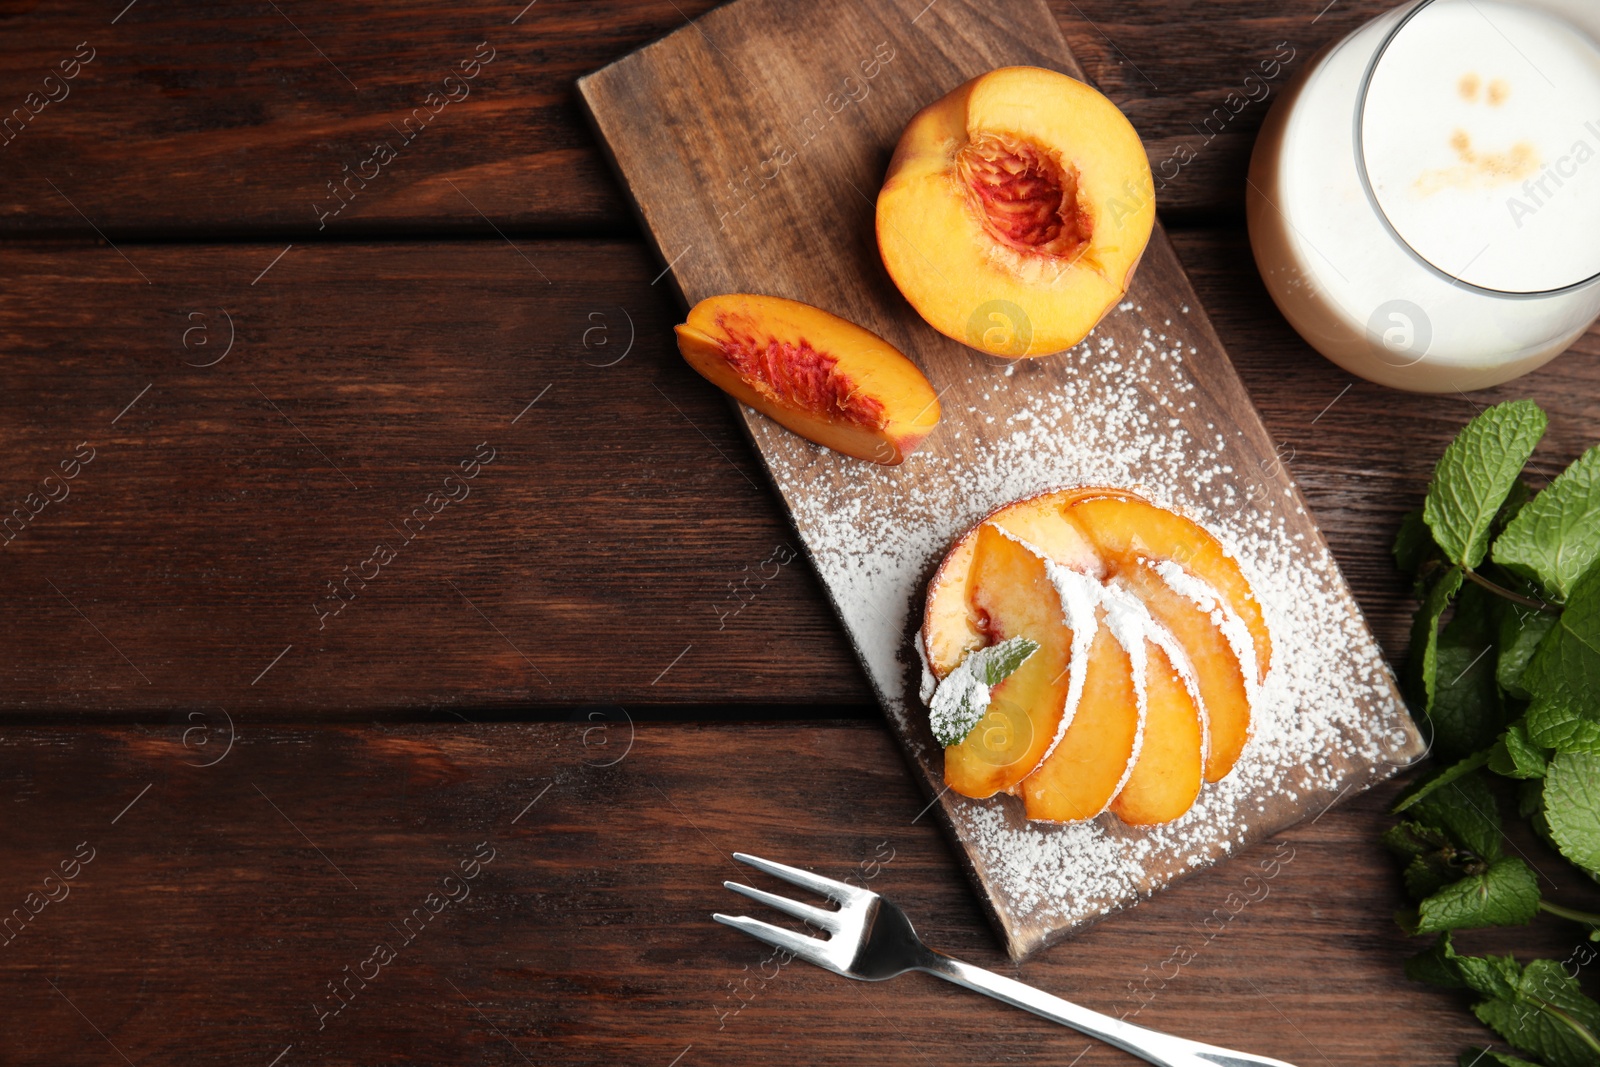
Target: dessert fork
{"type": "Point", "coordinates": [873, 940]}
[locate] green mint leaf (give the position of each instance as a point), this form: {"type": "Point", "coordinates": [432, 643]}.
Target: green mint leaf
{"type": "Point", "coordinates": [1521, 631]}
{"type": "Point", "coordinates": [1475, 476]}
{"type": "Point", "coordinates": [1516, 756]}
{"type": "Point", "coordinates": [1488, 976]}
{"type": "Point", "coordinates": [1516, 500]}
{"type": "Point", "coordinates": [1439, 780]}
{"type": "Point", "coordinates": [962, 699]}
{"type": "Point", "coordinates": [1467, 712]}
{"type": "Point", "coordinates": [1505, 894]}
{"type": "Point", "coordinates": [1548, 1016]}
{"type": "Point", "coordinates": [1557, 726]}
{"type": "Point", "coordinates": [1414, 543]}
{"type": "Point", "coordinates": [1572, 807]}
{"type": "Point", "coordinates": [1411, 839]}
{"type": "Point", "coordinates": [1422, 660]}
{"type": "Point", "coordinates": [1556, 537]}
{"type": "Point", "coordinates": [1467, 813]}
{"type": "Point", "coordinates": [1426, 875]}
{"type": "Point", "coordinates": [1435, 965]}
{"type": "Point", "coordinates": [996, 663]}
{"type": "Point", "coordinates": [1530, 798]}
{"type": "Point", "coordinates": [1564, 674]}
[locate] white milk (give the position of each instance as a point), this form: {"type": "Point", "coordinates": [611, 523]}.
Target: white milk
{"type": "Point", "coordinates": [1435, 226]}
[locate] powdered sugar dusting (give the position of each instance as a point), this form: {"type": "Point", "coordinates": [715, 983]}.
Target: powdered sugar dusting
{"type": "Point", "coordinates": [1121, 409]}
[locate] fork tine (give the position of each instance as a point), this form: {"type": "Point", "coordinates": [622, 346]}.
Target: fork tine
{"type": "Point", "coordinates": [840, 891]}
{"type": "Point", "coordinates": [826, 918]}
{"type": "Point", "coordinates": [809, 949]}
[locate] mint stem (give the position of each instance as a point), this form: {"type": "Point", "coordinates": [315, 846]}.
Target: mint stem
{"type": "Point", "coordinates": [1587, 918]}
{"type": "Point", "coordinates": [1502, 591]}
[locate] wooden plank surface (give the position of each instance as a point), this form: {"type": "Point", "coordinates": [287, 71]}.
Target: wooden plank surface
{"type": "Point", "coordinates": [613, 550]}
{"type": "Point", "coordinates": [222, 900]}
{"type": "Point", "coordinates": [185, 570]}
{"type": "Point", "coordinates": [214, 119]}
{"type": "Point", "coordinates": [1150, 402]}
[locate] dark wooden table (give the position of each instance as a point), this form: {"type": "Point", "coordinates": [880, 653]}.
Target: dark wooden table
{"type": "Point", "coordinates": [474, 807]}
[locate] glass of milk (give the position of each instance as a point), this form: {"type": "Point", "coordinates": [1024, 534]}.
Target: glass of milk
{"type": "Point", "coordinates": [1424, 199]}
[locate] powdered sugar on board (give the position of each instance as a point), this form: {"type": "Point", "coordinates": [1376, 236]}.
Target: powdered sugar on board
{"type": "Point", "coordinates": [1326, 718]}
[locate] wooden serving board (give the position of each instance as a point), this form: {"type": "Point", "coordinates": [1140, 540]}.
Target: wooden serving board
{"type": "Point", "coordinates": [753, 142]}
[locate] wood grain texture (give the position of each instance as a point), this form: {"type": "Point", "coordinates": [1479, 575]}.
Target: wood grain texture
{"type": "Point", "coordinates": [1150, 401]}
{"type": "Point", "coordinates": [185, 569]}
{"type": "Point", "coordinates": [219, 119]}
{"type": "Point", "coordinates": [611, 552]}
{"type": "Point", "coordinates": [221, 903]}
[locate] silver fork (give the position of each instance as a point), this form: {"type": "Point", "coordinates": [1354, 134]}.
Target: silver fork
{"type": "Point", "coordinates": [873, 941]}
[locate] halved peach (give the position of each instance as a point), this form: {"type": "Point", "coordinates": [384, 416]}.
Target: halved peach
{"type": "Point", "coordinates": [1081, 776]}
{"type": "Point", "coordinates": [1012, 595]}
{"type": "Point", "coordinates": [828, 380]}
{"type": "Point", "coordinates": [1125, 529]}
{"type": "Point", "coordinates": [1015, 210]}
{"type": "Point", "coordinates": [1217, 673]}
{"type": "Point", "coordinates": [1166, 778]}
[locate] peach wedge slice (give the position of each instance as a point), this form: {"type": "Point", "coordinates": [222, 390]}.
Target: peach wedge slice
{"type": "Point", "coordinates": [1166, 778]}
{"type": "Point", "coordinates": [1216, 667]}
{"type": "Point", "coordinates": [828, 380]}
{"type": "Point", "coordinates": [1012, 595]}
{"type": "Point", "coordinates": [1086, 770]}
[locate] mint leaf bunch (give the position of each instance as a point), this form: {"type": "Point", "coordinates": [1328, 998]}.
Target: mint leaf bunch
{"type": "Point", "coordinates": [1504, 670]}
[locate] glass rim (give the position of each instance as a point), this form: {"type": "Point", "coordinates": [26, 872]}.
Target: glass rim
{"type": "Point", "coordinates": [1360, 119]}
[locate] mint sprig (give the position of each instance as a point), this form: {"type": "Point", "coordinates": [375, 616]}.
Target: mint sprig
{"type": "Point", "coordinates": [1475, 476]}
{"type": "Point", "coordinates": [962, 699]}
{"type": "Point", "coordinates": [1505, 671]}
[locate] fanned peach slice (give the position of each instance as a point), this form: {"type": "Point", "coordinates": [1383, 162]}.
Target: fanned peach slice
{"type": "Point", "coordinates": [1166, 779]}
{"type": "Point", "coordinates": [828, 380]}
{"type": "Point", "coordinates": [1216, 667]}
{"type": "Point", "coordinates": [1015, 210]}
{"type": "Point", "coordinates": [1080, 778]}
{"type": "Point", "coordinates": [951, 628]}
{"type": "Point", "coordinates": [1125, 529]}
{"type": "Point", "coordinates": [1011, 593]}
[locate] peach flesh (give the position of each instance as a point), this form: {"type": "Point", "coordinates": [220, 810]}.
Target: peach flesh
{"type": "Point", "coordinates": [1028, 201]}
{"type": "Point", "coordinates": [796, 373]}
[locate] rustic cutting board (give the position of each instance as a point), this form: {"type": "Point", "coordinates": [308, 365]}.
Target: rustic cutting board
{"type": "Point", "coordinates": [753, 142]}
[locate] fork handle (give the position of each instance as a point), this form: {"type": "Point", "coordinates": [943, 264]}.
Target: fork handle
{"type": "Point", "coordinates": [1152, 1045]}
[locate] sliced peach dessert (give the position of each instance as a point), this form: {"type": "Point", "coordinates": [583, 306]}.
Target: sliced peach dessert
{"type": "Point", "coordinates": [1162, 642]}
{"type": "Point", "coordinates": [1012, 596]}
{"type": "Point", "coordinates": [1015, 210]}
{"type": "Point", "coordinates": [828, 380]}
